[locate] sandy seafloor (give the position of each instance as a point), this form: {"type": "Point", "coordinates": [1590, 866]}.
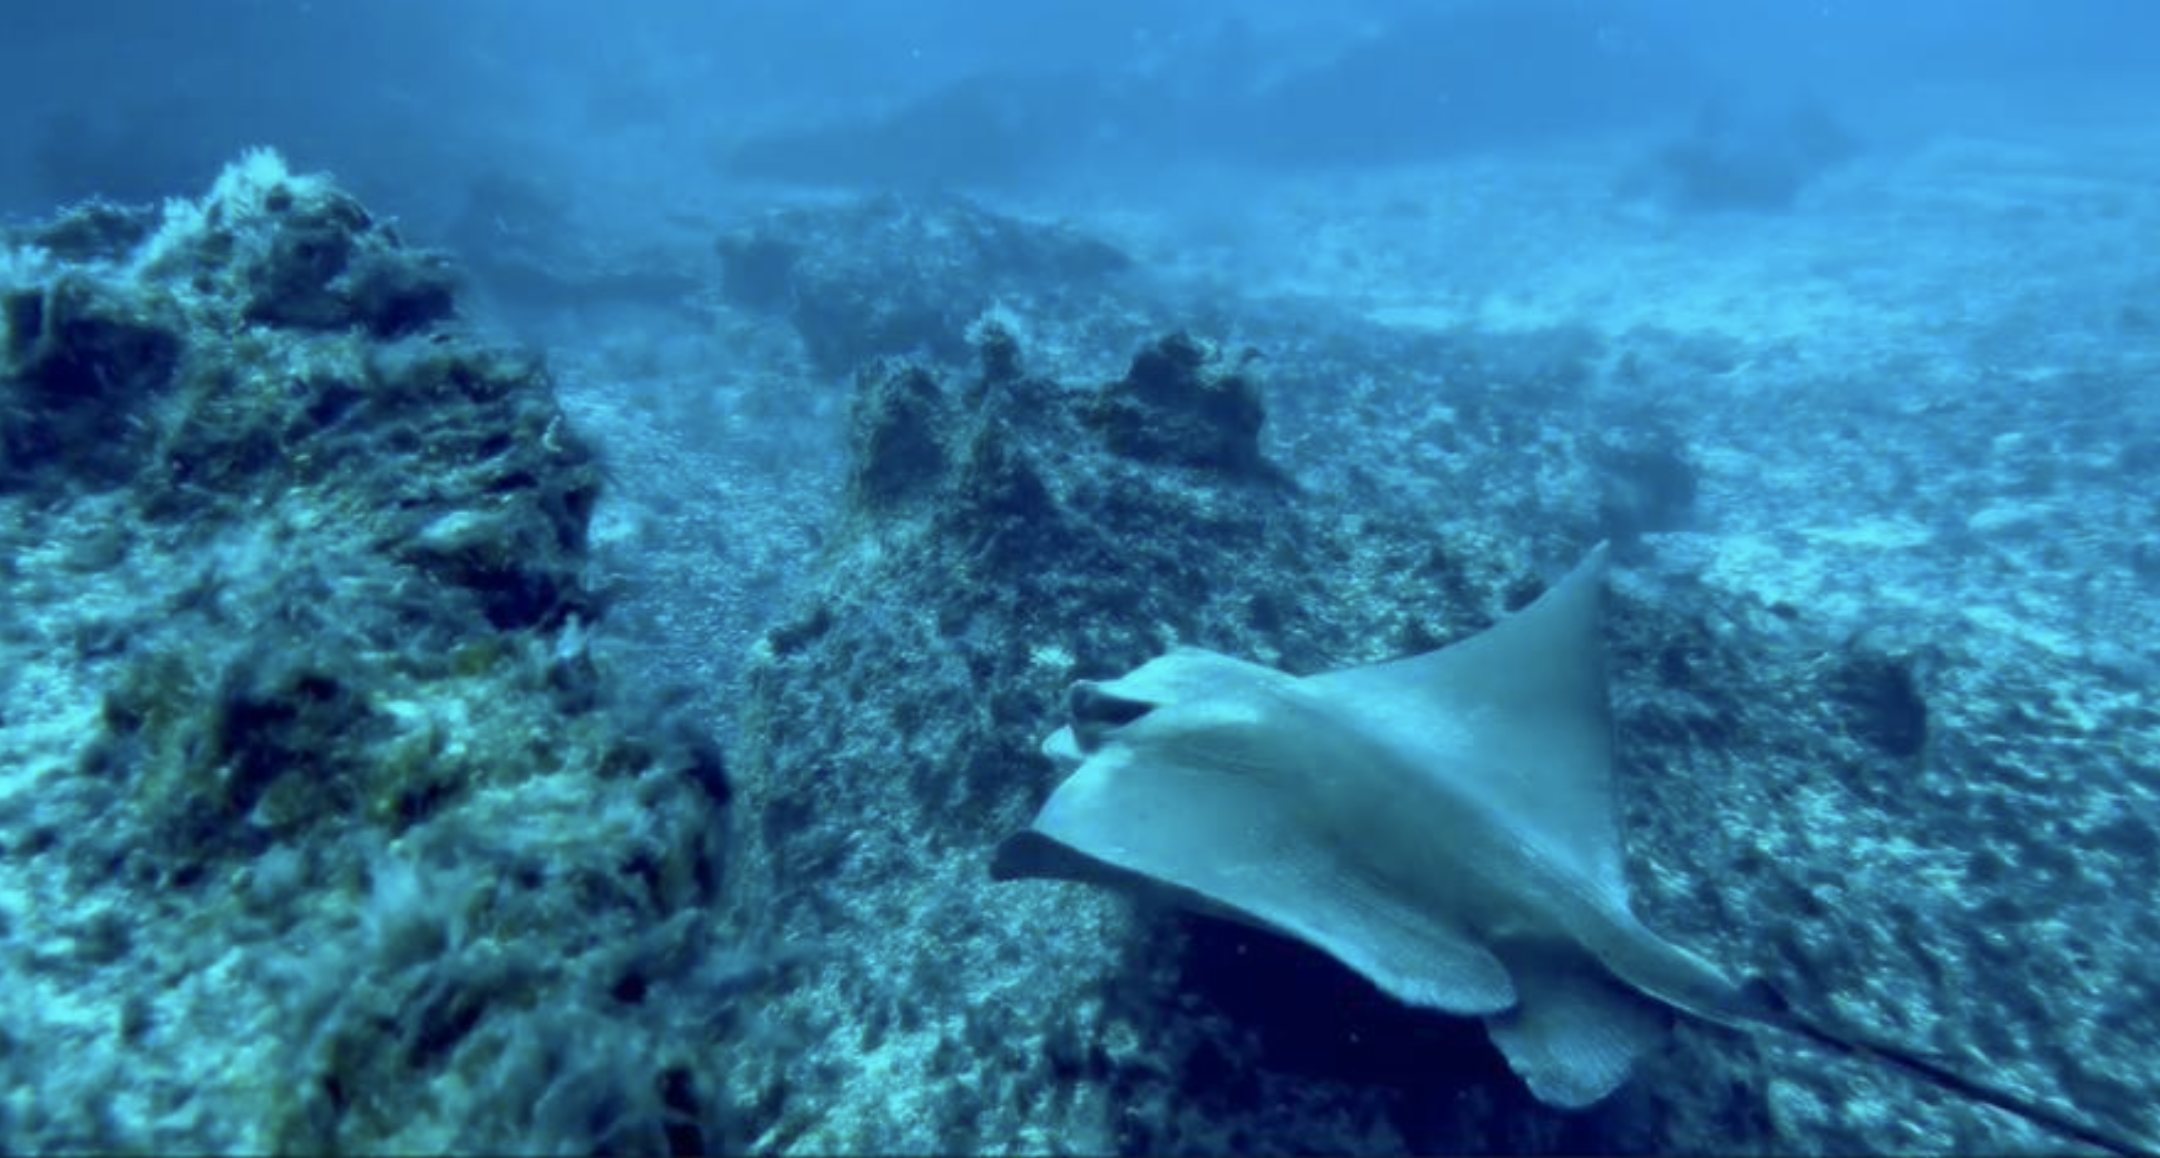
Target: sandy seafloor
{"type": "Point", "coordinates": [1958, 313]}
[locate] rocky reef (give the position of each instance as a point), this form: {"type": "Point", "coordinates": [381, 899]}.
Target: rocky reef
{"type": "Point", "coordinates": [895, 275]}
{"type": "Point", "coordinates": [325, 824]}
{"type": "Point", "coordinates": [323, 829]}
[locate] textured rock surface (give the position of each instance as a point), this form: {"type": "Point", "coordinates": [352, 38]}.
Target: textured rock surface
{"type": "Point", "coordinates": [323, 830]}
{"type": "Point", "coordinates": [898, 275]}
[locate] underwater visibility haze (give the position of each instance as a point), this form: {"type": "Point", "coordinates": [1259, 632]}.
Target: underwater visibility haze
{"type": "Point", "coordinates": [1133, 576]}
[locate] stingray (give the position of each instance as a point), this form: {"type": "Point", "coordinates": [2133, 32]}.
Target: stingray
{"type": "Point", "coordinates": [1441, 824]}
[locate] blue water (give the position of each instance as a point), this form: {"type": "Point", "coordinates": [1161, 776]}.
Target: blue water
{"type": "Point", "coordinates": [539, 542]}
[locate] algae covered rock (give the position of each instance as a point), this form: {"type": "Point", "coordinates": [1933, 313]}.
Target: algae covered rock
{"type": "Point", "coordinates": [896, 435]}
{"type": "Point", "coordinates": [901, 275]}
{"type": "Point", "coordinates": [1180, 405]}
{"type": "Point", "coordinates": [310, 257]}
{"type": "Point", "coordinates": [83, 360]}
{"type": "Point", "coordinates": [322, 811]}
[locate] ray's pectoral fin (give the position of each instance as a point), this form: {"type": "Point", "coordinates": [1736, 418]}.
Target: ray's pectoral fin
{"type": "Point", "coordinates": [1413, 960]}
{"type": "Point", "coordinates": [1184, 778]}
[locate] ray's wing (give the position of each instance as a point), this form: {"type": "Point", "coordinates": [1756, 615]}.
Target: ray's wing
{"type": "Point", "coordinates": [1205, 791]}
{"type": "Point", "coordinates": [1522, 714]}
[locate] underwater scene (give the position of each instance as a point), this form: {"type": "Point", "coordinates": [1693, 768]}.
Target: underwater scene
{"type": "Point", "coordinates": [817, 577]}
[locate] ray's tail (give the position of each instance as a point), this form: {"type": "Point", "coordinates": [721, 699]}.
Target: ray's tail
{"type": "Point", "coordinates": [1937, 1070]}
